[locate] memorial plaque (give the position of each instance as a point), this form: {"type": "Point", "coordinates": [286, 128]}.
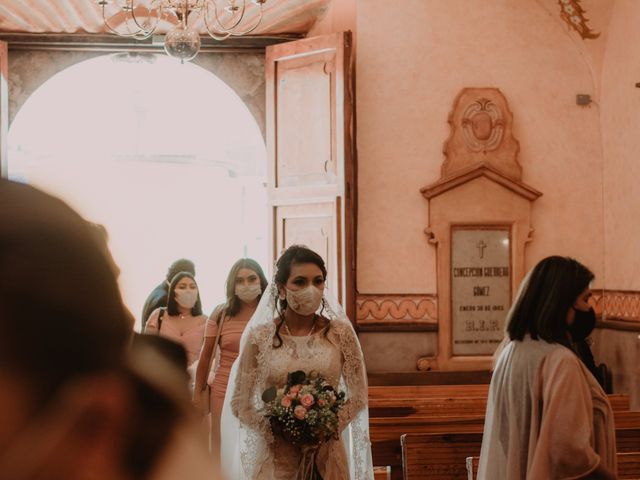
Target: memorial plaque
{"type": "Point", "coordinates": [480, 288]}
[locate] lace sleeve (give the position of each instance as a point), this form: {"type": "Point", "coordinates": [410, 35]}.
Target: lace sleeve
{"type": "Point", "coordinates": [353, 373]}
{"type": "Point", "coordinates": [246, 400]}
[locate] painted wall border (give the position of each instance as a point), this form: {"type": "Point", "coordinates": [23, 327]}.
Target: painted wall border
{"type": "Point", "coordinates": [397, 312]}
{"type": "Point", "coordinates": [618, 309]}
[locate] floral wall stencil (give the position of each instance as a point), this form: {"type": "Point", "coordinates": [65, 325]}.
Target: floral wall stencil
{"type": "Point", "coordinates": [572, 13]}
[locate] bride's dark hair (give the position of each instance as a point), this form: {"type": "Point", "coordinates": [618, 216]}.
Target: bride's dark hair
{"type": "Point", "coordinates": [295, 254]}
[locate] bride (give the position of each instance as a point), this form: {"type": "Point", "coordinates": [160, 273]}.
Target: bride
{"type": "Point", "coordinates": [297, 326]}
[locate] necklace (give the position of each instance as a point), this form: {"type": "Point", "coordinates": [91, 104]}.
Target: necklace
{"type": "Point", "coordinates": [313, 327]}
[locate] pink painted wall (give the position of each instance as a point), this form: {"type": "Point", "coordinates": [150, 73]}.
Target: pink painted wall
{"type": "Point", "coordinates": [413, 58]}
{"type": "Point", "coordinates": [339, 17]}
{"type": "Point", "coordinates": [620, 114]}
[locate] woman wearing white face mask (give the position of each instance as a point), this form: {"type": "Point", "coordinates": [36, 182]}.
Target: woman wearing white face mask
{"type": "Point", "coordinates": [182, 321]}
{"type": "Point", "coordinates": [297, 326]}
{"type": "Point", "coordinates": [244, 286]}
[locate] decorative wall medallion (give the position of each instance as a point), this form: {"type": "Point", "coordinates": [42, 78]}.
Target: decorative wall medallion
{"type": "Point", "coordinates": [389, 310]}
{"type": "Point", "coordinates": [482, 126]}
{"type": "Point", "coordinates": [574, 15]}
{"type": "Point", "coordinates": [481, 134]}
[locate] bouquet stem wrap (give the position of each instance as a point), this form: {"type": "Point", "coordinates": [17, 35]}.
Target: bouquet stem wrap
{"type": "Point", "coordinates": [307, 470]}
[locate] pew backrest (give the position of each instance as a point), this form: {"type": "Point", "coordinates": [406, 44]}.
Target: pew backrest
{"type": "Point", "coordinates": [402, 401]}
{"type": "Point", "coordinates": [429, 456]}
{"type": "Point", "coordinates": [425, 391]}
{"type": "Point", "coordinates": [628, 466]}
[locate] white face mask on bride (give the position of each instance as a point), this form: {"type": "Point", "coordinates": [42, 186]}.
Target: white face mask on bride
{"type": "Point", "coordinates": [306, 301]}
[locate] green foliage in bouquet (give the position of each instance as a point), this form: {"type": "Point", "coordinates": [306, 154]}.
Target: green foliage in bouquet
{"type": "Point", "coordinates": [305, 410]}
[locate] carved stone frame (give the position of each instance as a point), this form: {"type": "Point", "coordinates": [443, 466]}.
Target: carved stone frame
{"type": "Point", "coordinates": [483, 197]}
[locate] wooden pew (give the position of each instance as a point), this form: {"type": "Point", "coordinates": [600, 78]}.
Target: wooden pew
{"type": "Point", "coordinates": [472, 467]}
{"type": "Point", "coordinates": [404, 409]}
{"type": "Point", "coordinates": [441, 457]}
{"type": "Point", "coordinates": [628, 466]}
{"type": "Point", "coordinates": [461, 405]}
{"type": "Point", "coordinates": [381, 473]}
{"type": "Point", "coordinates": [432, 377]}
{"type": "Point", "coordinates": [430, 456]}
{"type": "Point", "coordinates": [386, 433]}
{"type": "Point", "coordinates": [413, 391]}
{"type": "Point", "coordinates": [620, 402]}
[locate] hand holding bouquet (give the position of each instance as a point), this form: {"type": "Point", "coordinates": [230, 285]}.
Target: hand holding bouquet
{"type": "Point", "coordinates": [305, 410]}
{"type": "Point", "coordinates": [304, 413]}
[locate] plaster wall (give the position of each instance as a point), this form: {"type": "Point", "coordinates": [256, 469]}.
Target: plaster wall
{"type": "Point", "coordinates": [411, 63]}
{"type": "Point", "coordinates": [244, 73]}
{"type": "Point", "coordinates": [340, 16]}
{"type": "Point", "coordinates": [620, 113]}
{"type": "Point", "coordinates": [396, 351]}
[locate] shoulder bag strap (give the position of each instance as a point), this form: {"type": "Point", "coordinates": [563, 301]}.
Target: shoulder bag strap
{"type": "Point", "coordinates": [160, 315]}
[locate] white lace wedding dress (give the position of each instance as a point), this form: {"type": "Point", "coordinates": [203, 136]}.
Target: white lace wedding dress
{"type": "Point", "coordinates": [249, 450]}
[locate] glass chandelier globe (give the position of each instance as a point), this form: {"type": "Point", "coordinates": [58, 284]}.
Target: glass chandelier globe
{"type": "Point", "coordinates": [182, 43]}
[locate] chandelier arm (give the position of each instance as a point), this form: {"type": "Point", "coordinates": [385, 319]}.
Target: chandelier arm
{"type": "Point", "coordinates": [220, 25]}
{"type": "Point", "coordinates": [216, 36]}
{"type": "Point", "coordinates": [213, 32]}
{"type": "Point", "coordinates": [251, 29]}
{"type": "Point", "coordinates": [146, 33]}
{"type": "Point", "coordinates": [113, 30]}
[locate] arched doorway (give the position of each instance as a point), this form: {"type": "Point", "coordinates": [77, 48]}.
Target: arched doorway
{"type": "Point", "coordinates": [166, 156]}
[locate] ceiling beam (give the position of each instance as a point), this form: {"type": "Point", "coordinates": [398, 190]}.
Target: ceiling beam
{"type": "Point", "coordinates": [113, 43]}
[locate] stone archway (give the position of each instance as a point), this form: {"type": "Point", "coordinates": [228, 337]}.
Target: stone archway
{"type": "Point", "coordinates": [167, 156]}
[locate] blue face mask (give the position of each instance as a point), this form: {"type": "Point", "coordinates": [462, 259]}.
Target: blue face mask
{"type": "Point", "coordinates": [583, 324]}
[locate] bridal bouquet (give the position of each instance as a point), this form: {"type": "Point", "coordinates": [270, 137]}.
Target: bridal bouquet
{"type": "Point", "coordinates": [305, 410]}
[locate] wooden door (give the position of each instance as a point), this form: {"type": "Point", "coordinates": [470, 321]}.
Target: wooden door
{"type": "Point", "coordinates": [311, 154]}
{"type": "Point", "coordinates": [4, 107]}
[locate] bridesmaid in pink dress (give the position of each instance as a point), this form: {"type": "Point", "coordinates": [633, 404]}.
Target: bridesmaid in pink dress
{"type": "Point", "coordinates": [244, 286]}
{"type": "Point", "coordinates": [182, 321]}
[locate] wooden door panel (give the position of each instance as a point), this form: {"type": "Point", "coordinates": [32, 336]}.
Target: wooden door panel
{"type": "Point", "coordinates": [316, 225]}
{"type": "Point", "coordinates": [4, 107]}
{"type": "Point", "coordinates": [311, 154]}
{"type": "Point", "coordinates": [303, 128]}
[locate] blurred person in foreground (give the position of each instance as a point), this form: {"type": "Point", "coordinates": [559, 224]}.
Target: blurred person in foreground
{"type": "Point", "coordinates": [547, 416]}
{"type": "Point", "coordinates": [76, 401]}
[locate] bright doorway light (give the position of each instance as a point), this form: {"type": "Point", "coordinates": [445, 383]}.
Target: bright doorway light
{"type": "Point", "coordinates": [166, 156]}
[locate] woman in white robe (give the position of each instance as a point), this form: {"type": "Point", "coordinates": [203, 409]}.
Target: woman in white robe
{"type": "Point", "coordinates": [547, 416]}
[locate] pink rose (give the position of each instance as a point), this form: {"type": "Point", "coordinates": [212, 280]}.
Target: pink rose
{"type": "Point", "coordinates": [307, 400]}
{"type": "Point", "coordinates": [321, 403]}
{"type": "Point", "coordinates": [295, 389]}
{"type": "Point", "coordinates": [300, 412]}
{"type": "Point", "coordinates": [286, 401]}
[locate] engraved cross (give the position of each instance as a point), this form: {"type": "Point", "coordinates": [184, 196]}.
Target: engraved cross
{"type": "Point", "coordinates": [481, 246]}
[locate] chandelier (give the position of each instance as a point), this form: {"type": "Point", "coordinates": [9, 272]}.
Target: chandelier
{"type": "Point", "coordinates": [139, 19]}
